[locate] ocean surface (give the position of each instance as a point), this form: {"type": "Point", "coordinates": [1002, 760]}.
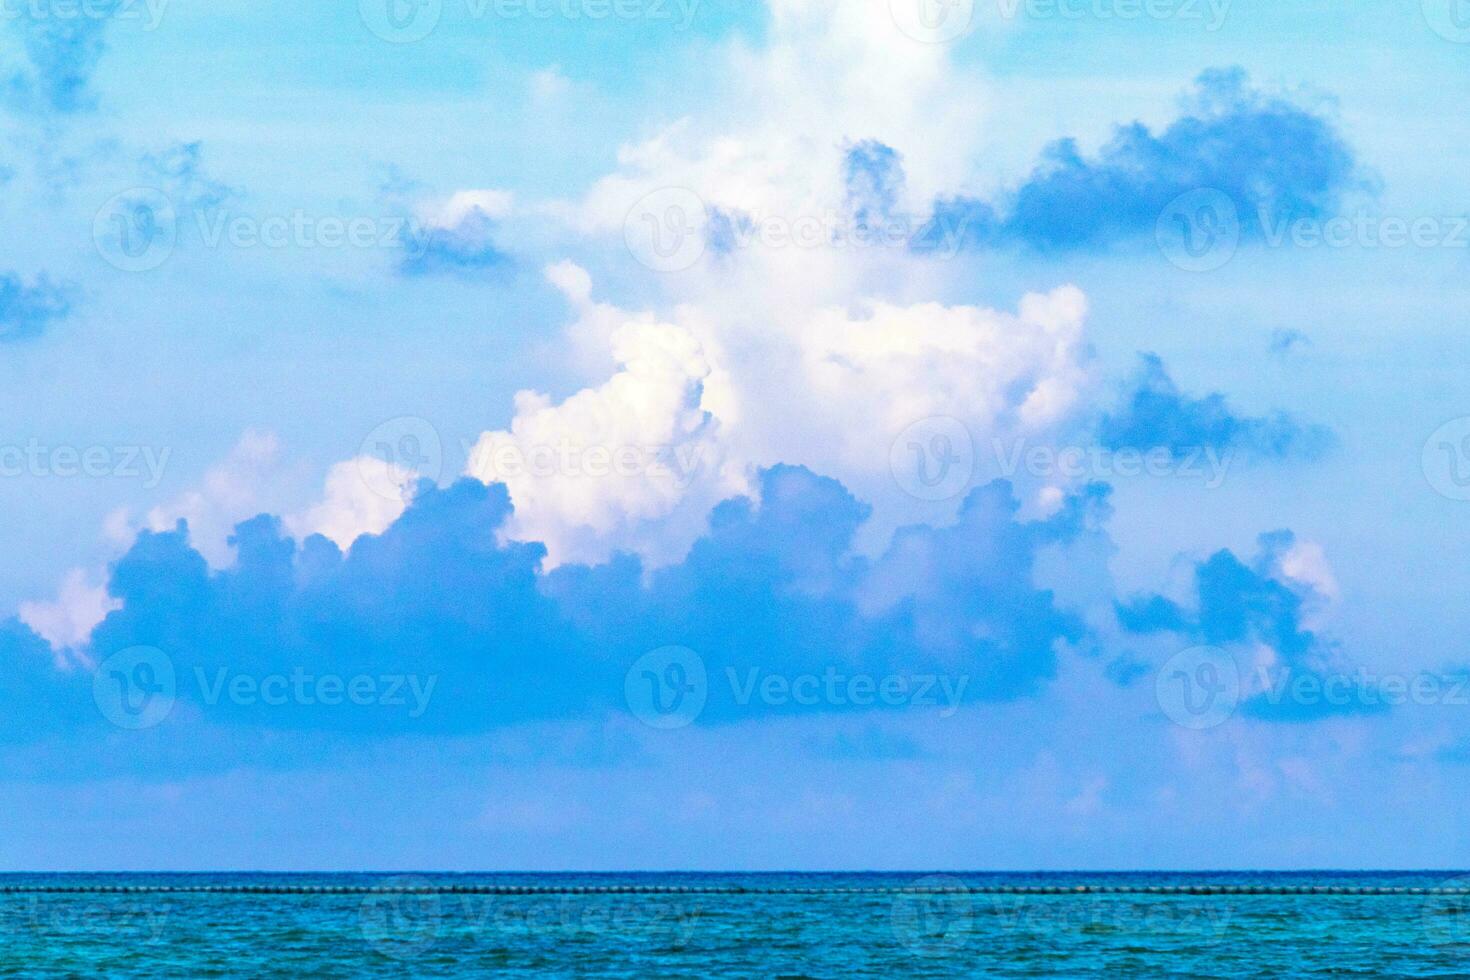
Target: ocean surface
{"type": "Point", "coordinates": [875, 933]}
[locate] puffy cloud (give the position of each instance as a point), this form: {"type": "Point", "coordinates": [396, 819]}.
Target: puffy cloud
{"type": "Point", "coordinates": [458, 235]}
{"type": "Point", "coordinates": [66, 622]}
{"type": "Point", "coordinates": [480, 638]}
{"type": "Point", "coordinates": [609, 466]}
{"type": "Point", "coordinates": [1265, 153]}
{"type": "Point", "coordinates": [361, 496]}
{"type": "Point", "coordinates": [1259, 612]}
{"type": "Point", "coordinates": [234, 489]}
{"type": "Point", "coordinates": [1156, 414]}
{"type": "Point", "coordinates": [710, 398]}
{"type": "Point", "coordinates": [829, 76]}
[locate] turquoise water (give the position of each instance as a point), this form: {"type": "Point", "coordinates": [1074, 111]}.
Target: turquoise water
{"type": "Point", "coordinates": [768, 935]}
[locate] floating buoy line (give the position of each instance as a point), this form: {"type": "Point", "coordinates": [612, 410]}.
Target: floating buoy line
{"type": "Point", "coordinates": [390, 889]}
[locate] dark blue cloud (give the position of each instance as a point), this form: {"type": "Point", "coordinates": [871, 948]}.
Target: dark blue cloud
{"type": "Point", "coordinates": [27, 310]}
{"type": "Point", "coordinates": [62, 55]}
{"type": "Point", "coordinates": [179, 171]}
{"type": "Point", "coordinates": [1155, 413]}
{"type": "Point", "coordinates": [873, 175]}
{"type": "Point", "coordinates": [773, 588]}
{"type": "Point", "coordinates": [1240, 606]}
{"type": "Point", "coordinates": [1266, 153]}
{"type": "Point", "coordinates": [467, 248]}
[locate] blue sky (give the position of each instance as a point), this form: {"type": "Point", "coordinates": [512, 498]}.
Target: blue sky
{"type": "Point", "coordinates": [696, 434]}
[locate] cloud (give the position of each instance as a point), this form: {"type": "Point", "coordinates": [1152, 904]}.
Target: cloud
{"type": "Point", "coordinates": [178, 170]}
{"type": "Point", "coordinates": [608, 467]}
{"type": "Point", "coordinates": [26, 310]}
{"type": "Point", "coordinates": [1266, 153]}
{"type": "Point", "coordinates": [62, 55]}
{"type": "Point", "coordinates": [361, 496]}
{"type": "Point", "coordinates": [458, 236]}
{"type": "Point", "coordinates": [1285, 341]}
{"type": "Point", "coordinates": [234, 489]}
{"type": "Point", "coordinates": [1156, 414]}
{"type": "Point", "coordinates": [1261, 609]}
{"type": "Point", "coordinates": [440, 598]}
{"type": "Point", "coordinates": [67, 621]}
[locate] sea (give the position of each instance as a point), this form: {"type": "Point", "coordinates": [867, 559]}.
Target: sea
{"type": "Point", "coordinates": [915, 924]}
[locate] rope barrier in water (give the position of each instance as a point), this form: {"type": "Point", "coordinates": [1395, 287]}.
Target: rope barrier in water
{"type": "Point", "coordinates": [1033, 890]}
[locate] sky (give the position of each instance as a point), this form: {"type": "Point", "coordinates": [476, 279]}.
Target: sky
{"type": "Point", "coordinates": [689, 434]}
